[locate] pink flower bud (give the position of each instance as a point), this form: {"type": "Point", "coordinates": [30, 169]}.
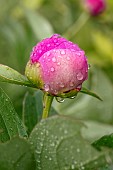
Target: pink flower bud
{"type": "Point", "coordinates": [57, 66]}
{"type": "Point", "coordinates": [94, 7]}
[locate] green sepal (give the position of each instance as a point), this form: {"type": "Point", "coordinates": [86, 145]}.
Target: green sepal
{"type": "Point", "coordinates": [33, 72]}
{"type": "Point", "coordinates": [88, 92]}
{"type": "Point", "coordinates": [69, 94]}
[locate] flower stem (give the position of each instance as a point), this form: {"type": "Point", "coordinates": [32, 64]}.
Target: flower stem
{"type": "Point", "coordinates": [47, 101]}
{"type": "Point", "coordinates": [77, 25]}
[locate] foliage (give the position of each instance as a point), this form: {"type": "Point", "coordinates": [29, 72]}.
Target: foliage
{"type": "Point", "coordinates": [79, 133]}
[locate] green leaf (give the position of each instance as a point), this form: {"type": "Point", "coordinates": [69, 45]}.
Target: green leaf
{"type": "Point", "coordinates": [10, 75]}
{"type": "Point", "coordinates": [86, 91]}
{"type": "Point", "coordinates": [40, 26]}
{"type": "Point", "coordinates": [101, 129]}
{"type": "Point", "coordinates": [105, 141]}
{"type": "Point", "coordinates": [16, 155]}
{"type": "Point", "coordinates": [33, 108]}
{"type": "Point", "coordinates": [10, 124]}
{"type": "Point", "coordinates": [57, 144]}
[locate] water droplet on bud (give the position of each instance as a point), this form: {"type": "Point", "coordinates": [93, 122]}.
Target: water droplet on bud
{"type": "Point", "coordinates": [48, 53]}
{"type": "Point", "coordinates": [52, 69]}
{"type": "Point", "coordinates": [55, 92]}
{"type": "Point", "coordinates": [68, 58]}
{"type": "Point", "coordinates": [61, 85]}
{"type": "Point", "coordinates": [46, 87]}
{"type": "Point", "coordinates": [71, 84]}
{"type": "Point", "coordinates": [58, 63]}
{"type": "Point", "coordinates": [62, 52]}
{"type": "Point", "coordinates": [80, 76]}
{"type": "Point", "coordinates": [40, 51]}
{"type": "Point", "coordinates": [54, 59]}
{"type": "Point", "coordinates": [48, 45]}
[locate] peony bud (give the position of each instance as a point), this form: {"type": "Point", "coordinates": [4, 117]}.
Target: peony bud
{"type": "Point", "coordinates": [94, 7]}
{"type": "Point", "coordinates": [57, 66]}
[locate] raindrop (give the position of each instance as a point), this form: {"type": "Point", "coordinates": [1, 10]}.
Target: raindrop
{"type": "Point", "coordinates": [65, 131]}
{"type": "Point", "coordinates": [71, 84]}
{"type": "Point", "coordinates": [55, 92]}
{"type": "Point", "coordinates": [72, 166]}
{"type": "Point", "coordinates": [39, 168]}
{"type": "Point", "coordinates": [61, 137]}
{"type": "Point", "coordinates": [61, 85]}
{"type": "Point", "coordinates": [11, 129]}
{"type": "Point", "coordinates": [59, 99]}
{"type": "Point", "coordinates": [48, 53]}
{"type": "Point", "coordinates": [62, 52]}
{"type": "Point", "coordinates": [38, 161]}
{"type": "Point", "coordinates": [78, 150]}
{"type": "Point", "coordinates": [40, 51]}
{"type": "Point", "coordinates": [50, 158]}
{"type": "Point", "coordinates": [89, 66]}
{"type": "Point", "coordinates": [37, 152]}
{"type": "Point", "coordinates": [55, 39]}
{"type": "Point", "coordinates": [78, 53]}
{"type": "Point", "coordinates": [6, 100]}
{"type": "Point", "coordinates": [80, 76]}
{"type": "Point", "coordinates": [54, 59]}
{"type": "Point", "coordinates": [75, 162]}
{"type": "Point", "coordinates": [58, 63]}
{"type": "Point", "coordinates": [52, 144]}
{"type": "Point", "coordinates": [41, 144]}
{"type": "Point", "coordinates": [73, 97]}
{"type": "Point", "coordinates": [46, 87]}
{"type": "Point", "coordinates": [52, 69]}
{"type": "Point", "coordinates": [68, 58]}
{"type": "Point", "coordinates": [48, 45]}
{"type": "Point", "coordinates": [46, 156]}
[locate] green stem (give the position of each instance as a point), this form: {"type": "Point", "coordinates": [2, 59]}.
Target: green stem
{"type": "Point", "coordinates": [75, 28]}
{"type": "Point", "coordinates": [47, 101]}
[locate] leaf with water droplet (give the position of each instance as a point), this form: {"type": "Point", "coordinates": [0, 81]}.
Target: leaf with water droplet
{"type": "Point", "coordinates": [16, 155]}
{"type": "Point", "coordinates": [10, 123]}
{"type": "Point", "coordinates": [62, 147]}
{"type": "Point", "coordinates": [10, 75]}
{"type": "Point", "coordinates": [86, 91]}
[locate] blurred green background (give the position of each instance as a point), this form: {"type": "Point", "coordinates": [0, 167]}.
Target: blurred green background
{"type": "Point", "coordinates": [24, 23]}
